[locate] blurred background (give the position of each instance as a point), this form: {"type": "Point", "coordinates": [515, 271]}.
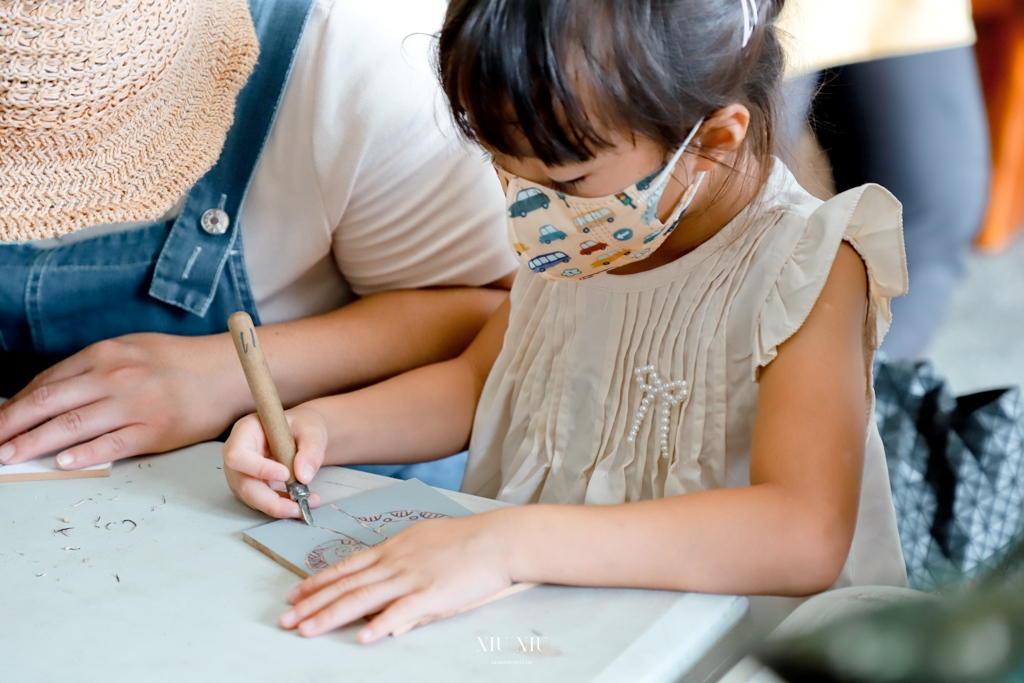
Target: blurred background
{"type": "Point", "coordinates": [926, 98]}
{"type": "Point", "coordinates": [978, 337]}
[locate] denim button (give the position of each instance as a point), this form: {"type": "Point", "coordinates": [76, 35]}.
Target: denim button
{"type": "Point", "coordinates": [215, 221]}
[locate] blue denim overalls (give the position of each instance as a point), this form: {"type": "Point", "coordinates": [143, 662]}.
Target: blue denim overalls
{"type": "Point", "coordinates": [182, 277]}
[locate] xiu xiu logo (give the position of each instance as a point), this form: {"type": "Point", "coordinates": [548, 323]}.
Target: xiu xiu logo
{"type": "Point", "coordinates": [522, 645]}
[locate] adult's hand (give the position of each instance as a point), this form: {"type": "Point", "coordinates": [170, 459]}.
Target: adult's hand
{"type": "Point", "coordinates": [151, 393]}
{"type": "Point", "coordinates": [141, 393]}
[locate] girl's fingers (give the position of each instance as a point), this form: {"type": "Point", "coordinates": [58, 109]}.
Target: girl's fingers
{"type": "Point", "coordinates": [399, 614]}
{"type": "Point", "coordinates": [308, 460]}
{"type": "Point", "coordinates": [311, 443]}
{"type": "Point", "coordinates": [252, 463]}
{"type": "Point", "coordinates": [354, 563]}
{"type": "Point", "coordinates": [333, 592]}
{"type": "Point", "coordinates": [246, 450]}
{"type": "Point", "coordinates": [354, 605]}
{"type": "Point", "coordinates": [256, 494]}
{"type": "Point", "coordinates": [248, 432]}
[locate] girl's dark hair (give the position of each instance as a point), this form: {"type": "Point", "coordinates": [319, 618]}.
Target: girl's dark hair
{"type": "Point", "coordinates": [549, 78]}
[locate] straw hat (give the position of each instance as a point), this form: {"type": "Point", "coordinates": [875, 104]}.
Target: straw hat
{"type": "Point", "coordinates": [110, 110]}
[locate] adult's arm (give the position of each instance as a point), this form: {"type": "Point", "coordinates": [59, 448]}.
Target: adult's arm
{"type": "Point", "coordinates": [151, 393]}
{"type": "Point", "coordinates": [358, 145]}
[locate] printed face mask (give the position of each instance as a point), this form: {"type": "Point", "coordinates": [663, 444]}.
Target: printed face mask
{"type": "Point", "coordinates": [562, 237]}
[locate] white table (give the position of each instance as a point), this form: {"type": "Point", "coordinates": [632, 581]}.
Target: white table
{"type": "Point", "coordinates": [180, 597]}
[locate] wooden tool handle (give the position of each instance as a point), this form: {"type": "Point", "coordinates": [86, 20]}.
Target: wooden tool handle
{"type": "Point", "coordinates": [264, 393]}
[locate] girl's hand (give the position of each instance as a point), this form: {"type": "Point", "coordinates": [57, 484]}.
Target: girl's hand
{"type": "Point", "coordinates": [258, 480]}
{"type": "Point", "coordinates": [431, 569]}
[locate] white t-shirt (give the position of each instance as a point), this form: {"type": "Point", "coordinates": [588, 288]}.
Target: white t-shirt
{"type": "Point", "coordinates": [363, 185]}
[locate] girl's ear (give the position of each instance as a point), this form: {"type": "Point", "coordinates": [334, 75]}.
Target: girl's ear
{"type": "Point", "coordinates": [721, 135]}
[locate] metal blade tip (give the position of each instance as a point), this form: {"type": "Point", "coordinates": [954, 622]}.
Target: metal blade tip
{"type": "Point", "coordinates": [307, 516]}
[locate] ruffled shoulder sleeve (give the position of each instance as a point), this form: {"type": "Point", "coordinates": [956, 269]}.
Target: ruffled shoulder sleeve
{"type": "Point", "coordinates": [871, 220]}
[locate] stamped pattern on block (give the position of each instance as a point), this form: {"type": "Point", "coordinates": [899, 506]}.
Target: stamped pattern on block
{"type": "Point", "coordinates": [324, 555]}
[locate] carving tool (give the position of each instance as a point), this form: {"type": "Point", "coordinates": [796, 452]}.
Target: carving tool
{"type": "Point", "coordinates": [268, 405]}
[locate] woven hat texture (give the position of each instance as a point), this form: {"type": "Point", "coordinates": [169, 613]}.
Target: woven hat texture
{"type": "Point", "coordinates": [110, 110]}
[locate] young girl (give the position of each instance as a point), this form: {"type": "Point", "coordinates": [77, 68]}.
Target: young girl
{"type": "Point", "coordinates": [680, 385]}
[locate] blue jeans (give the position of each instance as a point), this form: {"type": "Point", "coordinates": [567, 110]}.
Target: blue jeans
{"type": "Point", "coordinates": [446, 473]}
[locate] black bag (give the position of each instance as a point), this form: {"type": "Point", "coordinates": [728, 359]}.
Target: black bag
{"type": "Point", "coordinates": [956, 467]}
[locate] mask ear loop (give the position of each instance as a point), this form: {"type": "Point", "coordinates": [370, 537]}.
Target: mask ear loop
{"type": "Point", "coordinates": [671, 165]}
{"type": "Point", "coordinates": [686, 199]}
{"type": "Point", "coordinates": [504, 177]}
{"type": "Point", "coordinates": [685, 202]}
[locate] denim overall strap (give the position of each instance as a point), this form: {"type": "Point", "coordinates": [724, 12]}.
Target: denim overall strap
{"type": "Point", "coordinates": [207, 231]}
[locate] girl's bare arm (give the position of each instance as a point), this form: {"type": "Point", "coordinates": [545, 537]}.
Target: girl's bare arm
{"type": "Point", "coordinates": [788, 533]}
{"type": "Point", "coordinates": [421, 415]}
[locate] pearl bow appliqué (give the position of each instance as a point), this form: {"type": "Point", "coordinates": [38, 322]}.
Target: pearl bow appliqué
{"type": "Point", "coordinates": [666, 394]}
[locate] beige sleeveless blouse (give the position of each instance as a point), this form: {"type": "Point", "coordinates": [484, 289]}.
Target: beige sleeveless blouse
{"type": "Point", "coordinates": [554, 421]}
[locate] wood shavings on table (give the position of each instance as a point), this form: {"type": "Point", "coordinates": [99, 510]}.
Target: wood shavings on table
{"type": "Point", "coordinates": [64, 531]}
{"type": "Point", "coordinates": [160, 505]}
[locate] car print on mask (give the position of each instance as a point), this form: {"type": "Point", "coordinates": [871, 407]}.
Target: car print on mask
{"type": "Point", "coordinates": [586, 220]}
{"type": "Point", "coordinates": [590, 246]}
{"type": "Point", "coordinates": [550, 233]}
{"type": "Point", "coordinates": [528, 200]}
{"type": "Point", "coordinates": [646, 182]}
{"type": "Point", "coordinates": [641, 254]}
{"type": "Point", "coordinates": [571, 272]}
{"type": "Point", "coordinates": [545, 261]}
{"type": "Point", "coordinates": [608, 258]}
{"type": "Point", "coordinates": [623, 235]}
{"type": "Point", "coordinates": [650, 238]}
